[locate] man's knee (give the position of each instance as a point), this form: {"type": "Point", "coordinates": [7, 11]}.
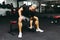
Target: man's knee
{"type": "Point", "coordinates": [36, 18]}
{"type": "Point", "coordinates": [19, 20]}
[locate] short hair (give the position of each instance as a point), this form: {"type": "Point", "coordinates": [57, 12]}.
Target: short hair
{"type": "Point", "coordinates": [34, 5]}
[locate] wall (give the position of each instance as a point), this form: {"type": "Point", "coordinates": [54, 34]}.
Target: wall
{"type": "Point", "coordinates": [12, 1]}
{"type": "Point", "coordinates": [2, 11]}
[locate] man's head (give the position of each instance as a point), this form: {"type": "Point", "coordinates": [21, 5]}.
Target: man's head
{"type": "Point", "coordinates": [33, 7]}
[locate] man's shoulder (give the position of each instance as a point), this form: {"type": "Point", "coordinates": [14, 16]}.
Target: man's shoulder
{"type": "Point", "coordinates": [24, 6]}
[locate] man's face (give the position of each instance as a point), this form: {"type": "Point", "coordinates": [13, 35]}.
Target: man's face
{"type": "Point", "coordinates": [33, 7]}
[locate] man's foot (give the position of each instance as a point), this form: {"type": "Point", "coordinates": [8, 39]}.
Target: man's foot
{"type": "Point", "coordinates": [20, 35]}
{"type": "Point", "coordinates": [39, 30]}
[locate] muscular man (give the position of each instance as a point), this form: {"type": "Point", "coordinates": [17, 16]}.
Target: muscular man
{"type": "Point", "coordinates": [28, 12]}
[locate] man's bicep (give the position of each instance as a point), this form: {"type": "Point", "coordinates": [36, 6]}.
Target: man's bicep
{"type": "Point", "coordinates": [20, 11]}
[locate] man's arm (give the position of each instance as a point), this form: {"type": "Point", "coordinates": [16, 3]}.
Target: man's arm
{"type": "Point", "coordinates": [20, 11]}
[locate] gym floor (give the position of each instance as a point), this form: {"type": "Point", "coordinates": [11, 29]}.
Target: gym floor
{"type": "Point", "coordinates": [52, 31]}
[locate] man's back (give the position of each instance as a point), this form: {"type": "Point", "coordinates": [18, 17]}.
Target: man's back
{"type": "Point", "coordinates": [26, 12]}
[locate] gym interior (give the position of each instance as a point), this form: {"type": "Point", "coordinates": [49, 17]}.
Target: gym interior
{"type": "Point", "coordinates": [48, 12]}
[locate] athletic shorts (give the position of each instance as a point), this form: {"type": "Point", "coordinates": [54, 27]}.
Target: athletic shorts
{"type": "Point", "coordinates": [25, 18]}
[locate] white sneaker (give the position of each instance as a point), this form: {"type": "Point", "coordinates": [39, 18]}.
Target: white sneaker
{"type": "Point", "coordinates": [20, 35]}
{"type": "Point", "coordinates": [39, 30]}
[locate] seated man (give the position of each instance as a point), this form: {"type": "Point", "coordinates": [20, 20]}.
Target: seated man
{"type": "Point", "coordinates": [28, 12]}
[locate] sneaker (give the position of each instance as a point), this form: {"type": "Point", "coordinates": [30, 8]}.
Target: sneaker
{"type": "Point", "coordinates": [39, 30]}
{"type": "Point", "coordinates": [20, 35]}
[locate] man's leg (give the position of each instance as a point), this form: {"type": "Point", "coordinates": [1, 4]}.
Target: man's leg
{"type": "Point", "coordinates": [37, 24]}
{"type": "Point", "coordinates": [31, 21]}
{"type": "Point", "coordinates": [20, 27]}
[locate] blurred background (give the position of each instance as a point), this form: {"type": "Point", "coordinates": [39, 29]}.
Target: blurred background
{"type": "Point", "coordinates": [9, 7]}
{"type": "Point", "coordinates": [47, 12]}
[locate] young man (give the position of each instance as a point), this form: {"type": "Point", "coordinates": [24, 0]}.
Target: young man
{"type": "Point", "coordinates": [28, 12]}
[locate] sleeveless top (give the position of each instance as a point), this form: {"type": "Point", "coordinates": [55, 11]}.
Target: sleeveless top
{"type": "Point", "coordinates": [26, 12]}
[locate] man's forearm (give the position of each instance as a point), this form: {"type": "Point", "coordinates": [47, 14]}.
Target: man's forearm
{"type": "Point", "coordinates": [20, 13]}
